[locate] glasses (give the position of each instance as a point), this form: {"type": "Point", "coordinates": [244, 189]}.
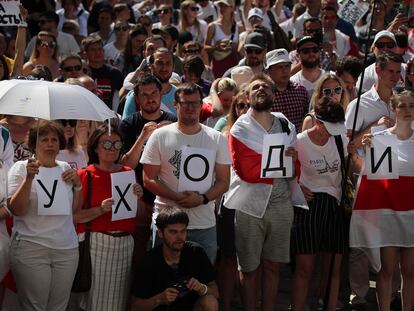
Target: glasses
{"type": "Point", "coordinates": [312, 31]}
{"type": "Point", "coordinates": [107, 144]}
{"type": "Point", "coordinates": [189, 103]}
{"type": "Point", "coordinates": [71, 123]}
{"type": "Point", "coordinates": [72, 68]}
{"type": "Point", "coordinates": [44, 21]}
{"type": "Point", "coordinates": [163, 11]}
{"type": "Point", "coordinates": [47, 44]}
{"type": "Point", "coordinates": [252, 50]}
{"type": "Point", "coordinates": [309, 50]}
{"type": "Point", "coordinates": [194, 8]}
{"type": "Point", "coordinates": [242, 106]}
{"type": "Point", "coordinates": [381, 45]}
{"type": "Point", "coordinates": [330, 92]}
{"type": "Point", "coordinates": [121, 28]}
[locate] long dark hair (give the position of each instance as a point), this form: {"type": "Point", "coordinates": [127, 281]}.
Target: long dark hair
{"type": "Point", "coordinates": [129, 59]}
{"type": "Point", "coordinates": [94, 141]}
{"type": "Point", "coordinates": [6, 75]}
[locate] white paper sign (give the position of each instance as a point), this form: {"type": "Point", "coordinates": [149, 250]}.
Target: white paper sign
{"type": "Point", "coordinates": [297, 196]}
{"type": "Point", "coordinates": [352, 10]}
{"type": "Point", "coordinates": [196, 169]}
{"type": "Point", "coordinates": [52, 192]}
{"type": "Point", "coordinates": [126, 202]}
{"type": "Point", "coordinates": [275, 164]}
{"type": "Point", "coordinates": [10, 13]}
{"type": "Point", "coordinates": [381, 160]}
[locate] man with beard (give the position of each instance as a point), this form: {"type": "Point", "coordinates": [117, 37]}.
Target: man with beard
{"type": "Point", "coordinates": [161, 65]}
{"type": "Point", "coordinates": [135, 131]}
{"type": "Point", "coordinates": [187, 164]}
{"type": "Point", "coordinates": [309, 54]}
{"type": "Point", "coordinates": [177, 275]}
{"type": "Point", "coordinates": [255, 48]}
{"type": "Point", "coordinates": [264, 211]}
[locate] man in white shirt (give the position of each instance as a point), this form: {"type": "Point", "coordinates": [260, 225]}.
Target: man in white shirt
{"type": "Point", "coordinates": [313, 8]}
{"type": "Point", "coordinates": [187, 164]}
{"type": "Point", "coordinates": [66, 43]}
{"type": "Point", "coordinates": [309, 54]}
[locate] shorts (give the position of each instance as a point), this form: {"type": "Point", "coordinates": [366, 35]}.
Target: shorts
{"type": "Point", "coordinates": [263, 238]}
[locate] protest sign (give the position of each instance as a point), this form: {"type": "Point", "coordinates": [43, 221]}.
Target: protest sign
{"type": "Point", "coordinates": [126, 202]}
{"type": "Point", "coordinates": [381, 160]}
{"type": "Point", "coordinates": [52, 192]}
{"type": "Point", "coordinates": [275, 164]}
{"type": "Point", "coordinates": [10, 13]}
{"type": "Point", "coordinates": [196, 169]}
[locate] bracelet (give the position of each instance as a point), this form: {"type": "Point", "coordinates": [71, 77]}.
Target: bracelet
{"type": "Point", "coordinates": [79, 188]}
{"type": "Point", "coordinates": [205, 290]}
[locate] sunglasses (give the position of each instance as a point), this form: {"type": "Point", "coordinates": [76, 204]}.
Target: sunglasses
{"type": "Point", "coordinates": [381, 45]}
{"type": "Point", "coordinates": [312, 31]}
{"type": "Point", "coordinates": [309, 50]}
{"type": "Point", "coordinates": [47, 44]}
{"type": "Point", "coordinates": [121, 28]}
{"type": "Point", "coordinates": [72, 68]}
{"type": "Point", "coordinates": [252, 50]}
{"type": "Point", "coordinates": [107, 144]}
{"type": "Point", "coordinates": [330, 92]}
{"type": "Point", "coordinates": [242, 106]}
{"type": "Point", "coordinates": [194, 8]}
{"type": "Point", "coordinates": [163, 11]}
{"type": "Point", "coordinates": [71, 123]}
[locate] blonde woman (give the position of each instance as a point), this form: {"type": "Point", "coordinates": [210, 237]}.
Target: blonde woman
{"type": "Point", "coordinates": [189, 21]}
{"type": "Point", "coordinates": [329, 85]}
{"type": "Point", "coordinates": [222, 39]}
{"type": "Point", "coordinates": [44, 53]}
{"type": "Point", "coordinates": [221, 96]}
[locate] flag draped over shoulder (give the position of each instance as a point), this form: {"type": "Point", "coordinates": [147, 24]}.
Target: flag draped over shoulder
{"type": "Point", "coordinates": [248, 192]}
{"type": "Point", "coordinates": [383, 215]}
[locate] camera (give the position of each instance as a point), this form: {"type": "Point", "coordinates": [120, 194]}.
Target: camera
{"type": "Point", "coordinates": [181, 286]}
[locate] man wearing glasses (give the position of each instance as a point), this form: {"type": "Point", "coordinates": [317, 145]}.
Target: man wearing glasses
{"type": "Point", "coordinates": [178, 158]}
{"type": "Point", "coordinates": [66, 42]}
{"type": "Point", "coordinates": [309, 54]}
{"type": "Point", "coordinates": [255, 48]}
{"type": "Point", "coordinates": [70, 67]}
{"type": "Point", "coordinates": [384, 41]}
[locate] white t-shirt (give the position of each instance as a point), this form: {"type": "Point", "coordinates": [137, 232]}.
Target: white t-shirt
{"type": "Point", "coordinates": [76, 159]}
{"type": "Point", "coordinates": [320, 166]}
{"type": "Point", "coordinates": [57, 232]}
{"type": "Point", "coordinates": [201, 35]}
{"type": "Point", "coordinates": [164, 148]}
{"type": "Point", "coordinates": [309, 86]}
{"type": "Point", "coordinates": [111, 53]}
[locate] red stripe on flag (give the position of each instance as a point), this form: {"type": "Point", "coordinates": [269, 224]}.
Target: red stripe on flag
{"type": "Point", "coordinates": [246, 162]}
{"type": "Point", "coordinates": [392, 194]}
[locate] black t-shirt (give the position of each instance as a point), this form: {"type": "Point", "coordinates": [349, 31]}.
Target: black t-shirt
{"type": "Point", "coordinates": [108, 80]}
{"type": "Point", "coordinates": [154, 275]}
{"type": "Point", "coordinates": [130, 128]}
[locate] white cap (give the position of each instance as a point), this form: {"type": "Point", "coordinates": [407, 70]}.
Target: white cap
{"type": "Point", "coordinates": [334, 129]}
{"type": "Point", "coordinates": [277, 56]}
{"type": "Point", "coordinates": [255, 12]}
{"type": "Point", "coordinates": [384, 33]}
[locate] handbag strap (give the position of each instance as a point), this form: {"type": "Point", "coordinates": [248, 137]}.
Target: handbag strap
{"type": "Point", "coordinates": [88, 202]}
{"type": "Point", "coordinates": [340, 146]}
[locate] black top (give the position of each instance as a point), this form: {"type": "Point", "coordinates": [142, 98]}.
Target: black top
{"type": "Point", "coordinates": [108, 80]}
{"type": "Point", "coordinates": [130, 128]}
{"type": "Point", "coordinates": [154, 275]}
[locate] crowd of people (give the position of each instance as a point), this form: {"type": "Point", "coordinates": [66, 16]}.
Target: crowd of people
{"type": "Point", "coordinates": [243, 123]}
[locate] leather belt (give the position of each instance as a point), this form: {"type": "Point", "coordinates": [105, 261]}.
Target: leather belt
{"type": "Point", "coordinates": [116, 234]}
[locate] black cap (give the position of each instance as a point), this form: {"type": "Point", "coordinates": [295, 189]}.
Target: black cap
{"type": "Point", "coordinates": [306, 39]}
{"type": "Point", "coordinates": [184, 37]}
{"type": "Point", "coordinates": [171, 30]}
{"type": "Point", "coordinates": [255, 40]}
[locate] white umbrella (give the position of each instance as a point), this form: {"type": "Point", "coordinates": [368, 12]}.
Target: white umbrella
{"type": "Point", "coordinates": [51, 101]}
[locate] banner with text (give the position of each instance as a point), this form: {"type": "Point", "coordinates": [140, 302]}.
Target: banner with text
{"type": "Point", "coordinates": [10, 13]}
{"type": "Point", "coordinates": [126, 202]}
{"type": "Point", "coordinates": [275, 164]}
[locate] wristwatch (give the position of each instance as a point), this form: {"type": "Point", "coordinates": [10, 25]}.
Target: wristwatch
{"type": "Point", "coordinates": [205, 199]}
